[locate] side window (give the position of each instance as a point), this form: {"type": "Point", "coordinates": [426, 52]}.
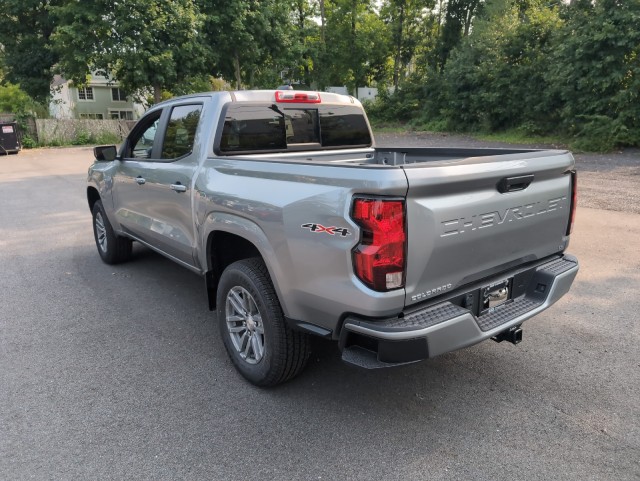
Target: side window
{"type": "Point", "coordinates": [141, 140]}
{"type": "Point", "coordinates": [181, 131]}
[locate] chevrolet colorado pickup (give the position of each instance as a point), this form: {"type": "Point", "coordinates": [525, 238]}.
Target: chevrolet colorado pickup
{"type": "Point", "coordinates": [300, 226]}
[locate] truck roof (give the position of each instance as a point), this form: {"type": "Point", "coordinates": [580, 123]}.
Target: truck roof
{"type": "Point", "coordinates": [267, 96]}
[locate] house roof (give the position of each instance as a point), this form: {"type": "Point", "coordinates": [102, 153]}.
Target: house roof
{"type": "Point", "coordinates": [58, 80]}
{"type": "Point", "coordinates": [94, 80]}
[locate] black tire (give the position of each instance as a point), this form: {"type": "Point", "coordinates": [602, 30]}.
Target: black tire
{"type": "Point", "coordinates": [113, 249]}
{"type": "Point", "coordinates": [284, 351]}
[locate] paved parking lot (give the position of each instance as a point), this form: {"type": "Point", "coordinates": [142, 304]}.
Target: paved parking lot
{"type": "Point", "coordinates": [118, 372]}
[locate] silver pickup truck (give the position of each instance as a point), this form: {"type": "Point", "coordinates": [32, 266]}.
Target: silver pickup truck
{"type": "Point", "coordinates": [300, 225]}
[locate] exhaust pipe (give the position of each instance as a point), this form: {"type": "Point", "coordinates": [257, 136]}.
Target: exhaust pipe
{"type": "Point", "coordinates": [513, 335]}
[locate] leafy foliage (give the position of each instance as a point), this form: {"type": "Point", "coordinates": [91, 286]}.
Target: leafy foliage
{"type": "Point", "coordinates": [16, 101]}
{"type": "Point", "coordinates": [86, 138]}
{"type": "Point", "coordinates": [142, 43]}
{"type": "Point", "coordinates": [499, 69]}
{"type": "Point", "coordinates": [28, 142]}
{"type": "Point", "coordinates": [406, 21]}
{"type": "Point", "coordinates": [249, 39]}
{"type": "Point", "coordinates": [596, 72]}
{"type": "Point", "coordinates": [526, 66]}
{"type": "Point", "coordinates": [535, 67]}
{"type": "Point", "coordinates": [27, 26]}
{"type": "Point", "coordinates": [354, 49]}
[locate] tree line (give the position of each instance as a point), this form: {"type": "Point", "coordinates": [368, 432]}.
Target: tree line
{"type": "Point", "coordinates": [538, 66]}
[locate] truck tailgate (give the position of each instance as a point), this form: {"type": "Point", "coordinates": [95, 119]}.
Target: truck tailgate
{"type": "Point", "coordinates": [474, 218]}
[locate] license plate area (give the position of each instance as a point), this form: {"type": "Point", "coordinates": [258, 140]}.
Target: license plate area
{"type": "Point", "coordinates": [495, 295]}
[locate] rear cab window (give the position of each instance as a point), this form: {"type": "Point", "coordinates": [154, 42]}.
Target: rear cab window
{"type": "Point", "coordinates": [271, 127]}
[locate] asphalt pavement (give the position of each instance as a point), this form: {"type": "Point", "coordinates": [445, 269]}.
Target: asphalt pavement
{"type": "Point", "coordinates": [118, 372]}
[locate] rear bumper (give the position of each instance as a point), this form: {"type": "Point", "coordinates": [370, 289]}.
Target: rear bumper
{"type": "Point", "coordinates": [448, 326]}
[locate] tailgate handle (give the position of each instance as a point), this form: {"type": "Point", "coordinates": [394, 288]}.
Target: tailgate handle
{"type": "Point", "coordinates": [514, 184]}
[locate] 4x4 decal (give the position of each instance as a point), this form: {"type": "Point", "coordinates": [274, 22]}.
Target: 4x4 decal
{"type": "Point", "coordinates": [318, 228]}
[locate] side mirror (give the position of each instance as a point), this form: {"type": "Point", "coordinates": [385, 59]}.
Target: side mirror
{"type": "Point", "coordinates": [105, 152]}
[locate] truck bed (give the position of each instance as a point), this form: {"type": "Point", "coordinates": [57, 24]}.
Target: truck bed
{"type": "Point", "coordinates": [395, 157]}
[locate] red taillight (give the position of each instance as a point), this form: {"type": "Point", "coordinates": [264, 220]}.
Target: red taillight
{"type": "Point", "coordinates": [574, 201]}
{"type": "Point", "coordinates": [379, 258]}
{"type": "Point", "coordinates": [297, 97]}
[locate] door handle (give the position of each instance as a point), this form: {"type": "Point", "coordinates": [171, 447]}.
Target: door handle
{"type": "Point", "coordinates": [140, 180]}
{"type": "Point", "coordinates": [178, 187]}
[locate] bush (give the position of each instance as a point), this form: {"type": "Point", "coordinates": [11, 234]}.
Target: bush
{"type": "Point", "coordinates": [596, 73]}
{"type": "Point", "coordinates": [28, 142]}
{"type": "Point", "coordinates": [81, 138]}
{"type": "Point", "coordinates": [599, 133]}
{"type": "Point", "coordinates": [425, 125]}
{"type": "Point", "coordinates": [399, 106]}
{"type": "Point", "coordinates": [106, 138]}
{"type": "Point", "coordinates": [13, 99]}
{"type": "Point", "coordinates": [85, 138]}
{"type": "Point", "coordinates": [534, 69]}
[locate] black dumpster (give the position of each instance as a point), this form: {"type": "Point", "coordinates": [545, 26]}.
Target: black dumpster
{"type": "Point", "coordinates": [9, 140]}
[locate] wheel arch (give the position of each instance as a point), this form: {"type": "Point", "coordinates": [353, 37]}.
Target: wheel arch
{"type": "Point", "coordinates": [93, 196]}
{"type": "Point", "coordinates": [229, 239]}
{"type": "Point", "coordinates": [223, 249]}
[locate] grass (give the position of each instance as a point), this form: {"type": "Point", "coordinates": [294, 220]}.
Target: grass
{"type": "Point", "coordinates": [518, 137]}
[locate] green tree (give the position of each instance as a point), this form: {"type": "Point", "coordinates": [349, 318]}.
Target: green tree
{"type": "Point", "coordinates": [595, 72]}
{"type": "Point", "coordinates": [406, 20]}
{"type": "Point", "coordinates": [496, 78]}
{"type": "Point", "coordinates": [310, 38]}
{"type": "Point", "coordinates": [144, 44]}
{"type": "Point", "coordinates": [356, 47]}
{"type": "Point", "coordinates": [2, 65]}
{"type": "Point", "coordinates": [27, 26]}
{"type": "Point", "coordinates": [253, 40]}
{"type": "Point", "coordinates": [14, 100]}
{"type": "Point", "coordinates": [458, 18]}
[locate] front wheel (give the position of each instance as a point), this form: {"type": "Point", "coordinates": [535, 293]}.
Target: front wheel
{"type": "Point", "coordinates": [112, 248]}
{"type": "Point", "coordinates": [260, 344]}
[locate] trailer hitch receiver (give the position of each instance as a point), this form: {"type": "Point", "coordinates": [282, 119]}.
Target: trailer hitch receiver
{"type": "Point", "coordinates": [513, 335]}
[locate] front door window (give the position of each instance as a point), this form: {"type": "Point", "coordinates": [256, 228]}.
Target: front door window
{"type": "Point", "coordinates": [140, 144]}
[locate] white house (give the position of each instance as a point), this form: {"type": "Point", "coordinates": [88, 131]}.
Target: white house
{"type": "Point", "coordinates": [101, 98]}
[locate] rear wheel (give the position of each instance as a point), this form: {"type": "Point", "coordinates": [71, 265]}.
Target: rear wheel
{"type": "Point", "coordinates": [112, 248]}
{"type": "Point", "coordinates": [260, 344]}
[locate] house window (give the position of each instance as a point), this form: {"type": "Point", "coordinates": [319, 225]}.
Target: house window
{"type": "Point", "coordinates": [118, 95]}
{"type": "Point", "coordinates": [121, 114]}
{"type": "Point", "coordinates": [92, 116]}
{"type": "Point", "coordinates": [85, 93]}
